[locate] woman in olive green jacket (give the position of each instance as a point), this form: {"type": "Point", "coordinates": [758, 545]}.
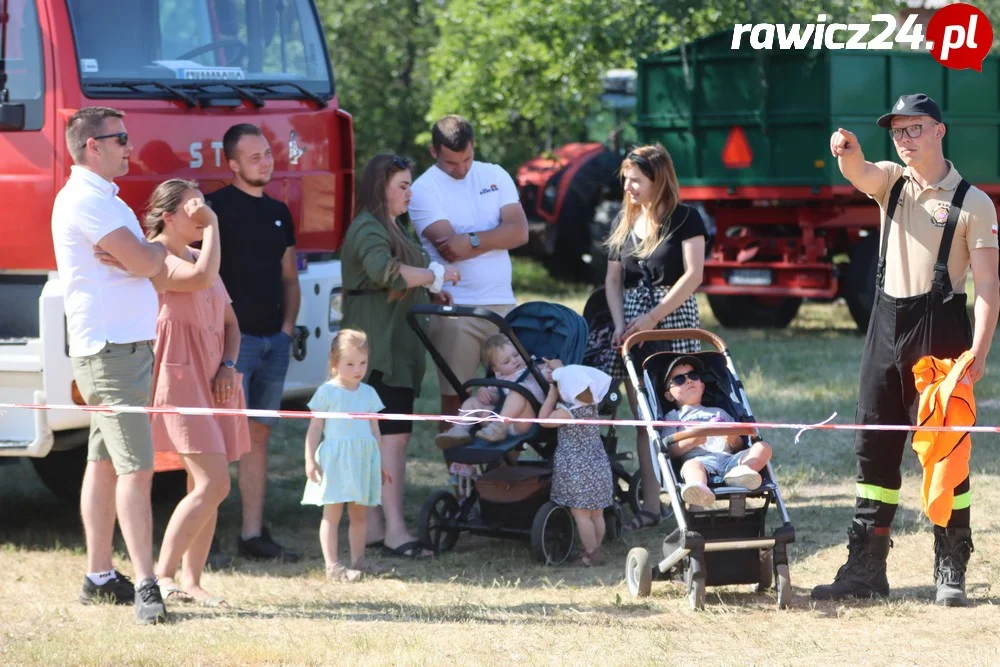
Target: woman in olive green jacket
{"type": "Point", "coordinates": [385, 272]}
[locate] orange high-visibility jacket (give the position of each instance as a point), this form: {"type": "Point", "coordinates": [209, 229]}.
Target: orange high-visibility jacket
{"type": "Point", "coordinates": [946, 399]}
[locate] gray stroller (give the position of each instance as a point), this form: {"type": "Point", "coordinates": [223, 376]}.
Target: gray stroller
{"type": "Point", "coordinates": [709, 547]}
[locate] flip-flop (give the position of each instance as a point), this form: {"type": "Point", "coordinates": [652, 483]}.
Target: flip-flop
{"type": "Point", "coordinates": [371, 568]}
{"type": "Point", "coordinates": [413, 550]}
{"type": "Point", "coordinates": [343, 574]}
{"type": "Point", "coordinates": [175, 593]}
{"type": "Point", "coordinates": [644, 519]}
{"type": "Point", "coordinates": [215, 602]}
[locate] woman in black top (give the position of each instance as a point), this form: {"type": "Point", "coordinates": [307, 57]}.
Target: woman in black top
{"type": "Point", "coordinates": [656, 256]}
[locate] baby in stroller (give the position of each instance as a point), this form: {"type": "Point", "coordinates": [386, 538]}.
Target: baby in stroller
{"type": "Point", "coordinates": [708, 457]}
{"type": "Point", "coordinates": [501, 357]}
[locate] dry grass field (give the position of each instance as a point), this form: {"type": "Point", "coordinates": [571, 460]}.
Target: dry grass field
{"type": "Point", "coordinates": [488, 603]}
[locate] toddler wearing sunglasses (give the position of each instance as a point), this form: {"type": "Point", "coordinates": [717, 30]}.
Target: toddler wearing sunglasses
{"type": "Point", "coordinates": [715, 456]}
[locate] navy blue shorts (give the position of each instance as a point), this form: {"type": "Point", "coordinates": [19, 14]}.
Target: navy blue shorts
{"type": "Point", "coordinates": [263, 361]}
{"type": "Point", "coordinates": [397, 401]}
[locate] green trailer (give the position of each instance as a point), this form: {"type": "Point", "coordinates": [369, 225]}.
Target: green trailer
{"type": "Point", "coordinates": [749, 135]}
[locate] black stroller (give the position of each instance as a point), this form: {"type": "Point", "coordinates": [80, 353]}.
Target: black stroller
{"type": "Point", "coordinates": [710, 547]}
{"type": "Point", "coordinates": [511, 501]}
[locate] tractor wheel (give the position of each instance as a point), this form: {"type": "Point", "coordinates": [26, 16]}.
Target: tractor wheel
{"type": "Point", "coordinates": [736, 312]}
{"type": "Point", "coordinates": [859, 281]}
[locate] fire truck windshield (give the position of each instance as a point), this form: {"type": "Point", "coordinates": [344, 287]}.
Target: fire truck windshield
{"type": "Point", "coordinates": [186, 44]}
{"type": "Point", "coordinates": [21, 73]}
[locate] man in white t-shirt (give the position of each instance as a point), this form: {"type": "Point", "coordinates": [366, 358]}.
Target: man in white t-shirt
{"type": "Point", "coordinates": [111, 323]}
{"type": "Point", "coordinates": [468, 214]}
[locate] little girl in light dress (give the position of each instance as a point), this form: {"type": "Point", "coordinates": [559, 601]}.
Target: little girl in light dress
{"type": "Point", "coordinates": [346, 467]}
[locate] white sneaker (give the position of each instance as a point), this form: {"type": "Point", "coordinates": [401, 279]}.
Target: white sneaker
{"type": "Point", "coordinates": [743, 477]}
{"type": "Point", "coordinates": [697, 494]}
{"type": "Point", "coordinates": [493, 432]}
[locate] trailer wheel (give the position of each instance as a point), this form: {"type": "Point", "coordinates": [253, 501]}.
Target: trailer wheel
{"type": "Point", "coordinates": [62, 471]}
{"type": "Point", "coordinates": [735, 312]}
{"type": "Point", "coordinates": [859, 281]}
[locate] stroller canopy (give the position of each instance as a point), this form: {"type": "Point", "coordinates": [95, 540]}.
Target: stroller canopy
{"type": "Point", "coordinates": [549, 330]}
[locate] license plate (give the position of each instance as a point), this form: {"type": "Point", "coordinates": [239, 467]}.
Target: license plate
{"type": "Point", "coordinates": [750, 277]}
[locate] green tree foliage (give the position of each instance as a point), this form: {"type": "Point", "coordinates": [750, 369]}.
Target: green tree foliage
{"type": "Point", "coordinates": [379, 50]}
{"type": "Point", "coordinates": [527, 73]}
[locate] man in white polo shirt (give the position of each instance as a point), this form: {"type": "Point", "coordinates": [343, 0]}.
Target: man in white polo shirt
{"type": "Point", "coordinates": [468, 214]}
{"type": "Point", "coordinates": [111, 323]}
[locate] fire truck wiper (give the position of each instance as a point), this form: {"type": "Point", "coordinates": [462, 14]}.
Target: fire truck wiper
{"type": "Point", "coordinates": [268, 86]}
{"type": "Point", "coordinates": [255, 100]}
{"type": "Point", "coordinates": [135, 85]}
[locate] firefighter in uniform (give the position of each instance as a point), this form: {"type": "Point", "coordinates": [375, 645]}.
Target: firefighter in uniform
{"type": "Point", "coordinates": [934, 227]}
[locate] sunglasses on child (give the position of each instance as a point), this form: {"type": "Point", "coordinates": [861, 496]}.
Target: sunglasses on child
{"type": "Point", "coordinates": [680, 380]}
{"type": "Point", "coordinates": [121, 136]}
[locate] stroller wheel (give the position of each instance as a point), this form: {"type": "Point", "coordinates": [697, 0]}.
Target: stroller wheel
{"type": "Point", "coordinates": [696, 595]}
{"type": "Point", "coordinates": [694, 578]}
{"type": "Point", "coordinates": [437, 517]}
{"type": "Point", "coordinates": [552, 534]}
{"type": "Point", "coordinates": [638, 573]}
{"type": "Point", "coordinates": [783, 584]}
{"type": "Point", "coordinates": [766, 571]}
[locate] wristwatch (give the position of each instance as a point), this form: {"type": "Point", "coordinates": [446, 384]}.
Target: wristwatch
{"type": "Point", "coordinates": [473, 240]}
{"type": "Point", "coordinates": [229, 363]}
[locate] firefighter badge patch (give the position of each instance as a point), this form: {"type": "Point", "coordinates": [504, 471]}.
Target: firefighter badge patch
{"type": "Point", "coordinates": [940, 215]}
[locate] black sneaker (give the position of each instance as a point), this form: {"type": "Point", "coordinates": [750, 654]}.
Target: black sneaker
{"type": "Point", "coordinates": [264, 548]}
{"type": "Point", "coordinates": [149, 607]}
{"type": "Point", "coordinates": [217, 558]}
{"type": "Point", "coordinates": [116, 590]}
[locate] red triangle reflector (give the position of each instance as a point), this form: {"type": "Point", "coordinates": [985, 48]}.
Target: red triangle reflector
{"type": "Point", "coordinates": [736, 154]}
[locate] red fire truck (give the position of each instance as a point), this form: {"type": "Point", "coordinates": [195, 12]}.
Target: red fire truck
{"type": "Point", "coordinates": [183, 71]}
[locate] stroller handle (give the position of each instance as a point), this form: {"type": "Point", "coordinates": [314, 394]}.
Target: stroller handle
{"type": "Point", "coordinates": [673, 334]}
{"type": "Point", "coordinates": [435, 310]}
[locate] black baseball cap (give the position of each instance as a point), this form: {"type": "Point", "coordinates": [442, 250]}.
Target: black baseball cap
{"type": "Point", "coordinates": [693, 362]}
{"type": "Point", "coordinates": [912, 105]}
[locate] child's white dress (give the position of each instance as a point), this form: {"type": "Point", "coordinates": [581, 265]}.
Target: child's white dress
{"type": "Point", "coordinates": [348, 454]}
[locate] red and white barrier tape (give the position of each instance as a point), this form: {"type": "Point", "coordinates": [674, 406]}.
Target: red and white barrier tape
{"type": "Point", "coordinates": [475, 419]}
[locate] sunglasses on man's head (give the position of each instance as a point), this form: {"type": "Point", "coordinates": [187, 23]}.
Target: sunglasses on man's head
{"type": "Point", "coordinates": [121, 136]}
{"type": "Point", "coordinates": [679, 380]}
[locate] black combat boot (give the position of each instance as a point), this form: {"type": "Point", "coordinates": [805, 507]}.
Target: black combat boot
{"type": "Point", "coordinates": [863, 575]}
{"type": "Point", "coordinates": [952, 548]}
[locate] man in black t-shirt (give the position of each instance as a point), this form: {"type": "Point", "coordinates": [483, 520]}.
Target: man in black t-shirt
{"type": "Point", "coordinates": [259, 271]}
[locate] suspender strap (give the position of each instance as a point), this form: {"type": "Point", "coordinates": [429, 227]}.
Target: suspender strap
{"type": "Point", "coordinates": [942, 281]}
{"type": "Point", "coordinates": [894, 194]}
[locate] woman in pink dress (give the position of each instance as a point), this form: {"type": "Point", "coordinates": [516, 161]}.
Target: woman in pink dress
{"type": "Point", "coordinates": [197, 342]}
